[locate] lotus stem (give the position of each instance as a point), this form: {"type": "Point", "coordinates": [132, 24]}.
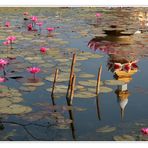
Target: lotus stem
{"type": "Point", "coordinates": [34, 76]}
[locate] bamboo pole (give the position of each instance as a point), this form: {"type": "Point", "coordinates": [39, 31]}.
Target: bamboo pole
{"type": "Point", "coordinates": [98, 80]}
{"type": "Point", "coordinates": [71, 74]}
{"type": "Point", "coordinates": [72, 89]}
{"type": "Point", "coordinates": [54, 82]}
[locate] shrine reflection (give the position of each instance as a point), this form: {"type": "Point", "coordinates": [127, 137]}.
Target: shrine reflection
{"type": "Point", "coordinates": [122, 63]}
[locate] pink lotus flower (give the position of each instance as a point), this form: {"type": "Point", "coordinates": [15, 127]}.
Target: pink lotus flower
{"type": "Point", "coordinates": [50, 29]}
{"type": "Point", "coordinates": [6, 43]}
{"type": "Point", "coordinates": [98, 14]}
{"type": "Point", "coordinates": [34, 18]}
{"type": "Point", "coordinates": [39, 24]}
{"type": "Point", "coordinates": [43, 49]}
{"type": "Point", "coordinates": [2, 79]}
{"type": "Point", "coordinates": [144, 131]}
{"type": "Point", "coordinates": [7, 24]}
{"type": "Point", "coordinates": [30, 28]}
{"type": "Point", "coordinates": [11, 38]}
{"type": "Point", "coordinates": [33, 70]}
{"type": "Point", "coordinates": [3, 62]}
{"type": "Point", "coordinates": [26, 13]}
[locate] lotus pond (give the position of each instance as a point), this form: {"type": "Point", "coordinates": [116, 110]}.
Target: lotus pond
{"type": "Point", "coordinates": [47, 39]}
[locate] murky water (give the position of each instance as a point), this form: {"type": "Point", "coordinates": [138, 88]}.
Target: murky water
{"type": "Point", "coordinates": [117, 41]}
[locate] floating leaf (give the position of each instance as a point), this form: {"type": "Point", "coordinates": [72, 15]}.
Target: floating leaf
{"type": "Point", "coordinates": [85, 75]}
{"type": "Point", "coordinates": [106, 129]}
{"type": "Point", "coordinates": [4, 103]}
{"type": "Point", "coordinates": [84, 94]}
{"type": "Point", "coordinates": [15, 109]}
{"type": "Point", "coordinates": [34, 84]}
{"type": "Point", "coordinates": [61, 77]}
{"type": "Point", "coordinates": [27, 89]}
{"type": "Point", "coordinates": [102, 89]}
{"type": "Point", "coordinates": [124, 138]}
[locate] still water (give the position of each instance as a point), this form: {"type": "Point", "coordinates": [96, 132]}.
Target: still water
{"type": "Point", "coordinates": [117, 40]}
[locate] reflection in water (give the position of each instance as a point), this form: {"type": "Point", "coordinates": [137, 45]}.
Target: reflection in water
{"type": "Point", "coordinates": [122, 63]}
{"type": "Point", "coordinates": [98, 107]}
{"type": "Point", "coordinates": [71, 116]}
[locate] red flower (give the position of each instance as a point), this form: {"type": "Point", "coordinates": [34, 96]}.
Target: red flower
{"type": "Point", "coordinates": [134, 65]}
{"type": "Point", "coordinates": [33, 70]}
{"type": "Point", "coordinates": [43, 50]}
{"type": "Point", "coordinates": [30, 28]}
{"type": "Point", "coordinates": [127, 67]}
{"type": "Point", "coordinates": [144, 131]}
{"type": "Point", "coordinates": [117, 66]}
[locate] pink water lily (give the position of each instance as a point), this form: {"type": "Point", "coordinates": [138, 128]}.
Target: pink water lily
{"type": "Point", "coordinates": [43, 49]}
{"type": "Point", "coordinates": [3, 63]}
{"type": "Point", "coordinates": [2, 79]}
{"type": "Point", "coordinates": [6, 43]}
{"type": "Point", "coordinates": [11, 39]}
{"type": "Point", "coordinates": [34, 18]}
{"type": "Point", "coordinates": [39, 24]}
{"type": "Point", "coordinates": [7, 24]}
{"type": "Point", "coordinates": [50, 29]}
{"type": "Point", "coordinates": [33, 70]}
{"type": "Point", "coordinates": [144, 131]}
{"type": "Point", "coordinates": [98, 14]}
{"type": "Point", "coordinates": [29, 26]}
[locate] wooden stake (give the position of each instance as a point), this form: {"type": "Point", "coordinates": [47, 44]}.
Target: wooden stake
{"type": "Point", "coordinates": [55, 79]}
{"type": "Point", "coordinates": [72, 67]}
{"type": "Point", "coordinates": [98, 80]}
{"type": "Point", "coordinates": [71, 74]}
{"type": "Point", "coordinates": [72, 89]}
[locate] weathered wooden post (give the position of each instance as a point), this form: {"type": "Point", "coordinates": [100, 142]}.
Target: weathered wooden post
{"type": "Point", "coordinates": [98, 80]}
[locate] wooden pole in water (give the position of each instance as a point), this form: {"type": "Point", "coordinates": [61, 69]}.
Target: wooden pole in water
{"type": "Point", "coordinates": [72, 89]}
{"type": "Point", "coordinates": [54, 82]}
{"type": "Point", "coordinates": [98, 80]}
{"type": "Point", "coordinates": [71, 74]}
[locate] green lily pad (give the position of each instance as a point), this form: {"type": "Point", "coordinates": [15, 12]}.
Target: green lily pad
{"type": "Point", "coordinates": [15, 109]}
{"type": "Point", "coordinates": [85, 75]}
{"type": "Point", "coordinates": [4, 103]}
{"type": "Point", "coordinates": [106, 129]}
{"type": "Point", "coordinates": [103, 89]}
{"type": "Point", "coordinates": [124, 138]}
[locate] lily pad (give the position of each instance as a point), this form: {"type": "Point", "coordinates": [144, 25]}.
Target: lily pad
{"type": "Point", "coordinates": [4, 103]}
{"type": "Point", "coordinates": [84, 95]}
{"type": "Point", "coordinates": [15, 109]}
{"type": "Point", "coordinates": [103, 89]}
{"type": "Point", "coordinates": [106, 129]}
{"type": "Point", "coordinates": [124, 138]}
{"type": "Point", "coordinates": [85, 75]}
